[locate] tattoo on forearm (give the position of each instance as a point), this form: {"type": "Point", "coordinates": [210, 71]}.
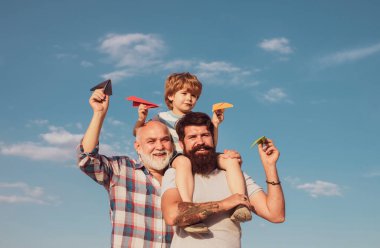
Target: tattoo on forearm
{"type": "Point", "coordinates": [190, 213]}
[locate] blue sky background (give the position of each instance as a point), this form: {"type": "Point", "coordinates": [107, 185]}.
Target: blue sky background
{"type": "Point", "coordinates": [304, 73]}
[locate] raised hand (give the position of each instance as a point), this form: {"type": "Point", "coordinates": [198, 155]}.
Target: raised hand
{"type": "Point", "coordinates": [99, 101]}
{"type": "Point", "coordinates": [269, 154]}
{"type": "Point", "coordinates": [142, 112]}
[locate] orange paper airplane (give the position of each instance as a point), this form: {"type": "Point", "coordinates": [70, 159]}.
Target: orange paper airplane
{"type": "Point", "coordinates": [106, 86]}
{"type": "Point", "coordinates": [221, 106]}
{"type": "Point", "coordinates": [137, 101]}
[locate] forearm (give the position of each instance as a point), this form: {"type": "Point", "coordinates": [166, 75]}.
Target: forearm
{"type": "Point", "coordinates": [215, 135]}
{"type": "Point", "coordinates": [275, 197]}
{"type": "Point", "coordinates": [91, 137]}
{"type": "Point", "coordinates": [190, 213]}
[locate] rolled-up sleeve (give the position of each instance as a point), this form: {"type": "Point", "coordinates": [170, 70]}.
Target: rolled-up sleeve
{"type": "Point", "coordinates": [96, 166]}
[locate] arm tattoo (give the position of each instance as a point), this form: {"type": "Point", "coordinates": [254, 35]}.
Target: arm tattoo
{"type": "Point", "coordinates": [190, 213]}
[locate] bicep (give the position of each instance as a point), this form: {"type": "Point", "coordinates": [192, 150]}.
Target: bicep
{"type": "Point", "coordinates": [259, 203]}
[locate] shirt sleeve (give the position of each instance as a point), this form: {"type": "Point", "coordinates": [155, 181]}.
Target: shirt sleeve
{"type": "Point", "coordinates": [252, 187]}
{"type": "Point", "coordinates": [96, 166]}
{"type": "Point", "coordinates": [168, 182]}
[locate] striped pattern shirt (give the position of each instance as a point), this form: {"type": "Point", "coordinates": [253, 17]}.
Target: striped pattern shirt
{"type": "Point", "coordinates": [135, 200]}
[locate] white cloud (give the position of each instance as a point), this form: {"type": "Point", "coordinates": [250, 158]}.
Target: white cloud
{"type": "Point", "coordinates": [20, 192]}
{"type": "Point", "coordinates": [114, 122]}
{"type": "Point", "coordinates": [37, 122]}
{"type": "Point", "coordinates": [223, 73]}
{"type": "Point", "coordinates": [280, 45]}
{"type": "Point", "coordinates": [321, 188]}
{"type": "Point", "coordinates": [62, 56]}
{"type": "Point", "coordinates": [85, 63]}
{"type": "Point", "coordinates": [350, 55]}
{"type": "Point", "coordinates": [179, 65]}
{"type": "Point", "coordinates": [59, 136]}
{"type": "Point", "coordinates": [372, 174]}
{"type": "Point", "coordinates": [133, 50]}
{"type": "Point", "coordinates": [275, 95]}
{"type": "Point", "coordinates": [118, 75]}
{"type": "Point", "coordinates": [37, 151]}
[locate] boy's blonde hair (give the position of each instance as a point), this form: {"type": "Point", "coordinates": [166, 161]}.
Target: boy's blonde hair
{"type": "Point", "coordinates": [179, 81]}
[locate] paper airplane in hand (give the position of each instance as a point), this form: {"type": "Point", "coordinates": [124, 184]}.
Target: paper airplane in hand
{"type": "Point", "coordinates": [106, 86]}
{"type": "Point", "coordinates": [260, 140]}
{"type": "Point", "coordinates": [137, 101]}
{"type": "Point", "coordinates": [221, 106]}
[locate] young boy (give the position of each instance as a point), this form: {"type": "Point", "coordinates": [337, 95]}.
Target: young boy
{"type": "Point", "coordinates": [182, 91]}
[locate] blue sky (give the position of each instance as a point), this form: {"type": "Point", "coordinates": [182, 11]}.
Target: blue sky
{"type": "Point", "coordinates": [304, 73]}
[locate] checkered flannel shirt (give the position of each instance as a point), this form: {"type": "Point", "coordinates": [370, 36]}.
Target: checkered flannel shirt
{"type": "Point", "coordinates": [135, 199]}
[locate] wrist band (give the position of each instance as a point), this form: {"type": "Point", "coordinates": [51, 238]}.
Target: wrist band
{"type": "Point", "coordinates": [273, 182]}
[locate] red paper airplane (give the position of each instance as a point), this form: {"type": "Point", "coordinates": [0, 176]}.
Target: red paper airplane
{"type": "Point", "coordinates": [106, 86]}
{"type": "Point", "coordinates": [137, 101]}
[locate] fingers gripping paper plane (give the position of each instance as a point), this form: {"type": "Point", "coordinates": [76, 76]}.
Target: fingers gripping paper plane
{"type": "Point", "coordinates": [261, 140]}
{"type": "Point", "coordinates": [136, 101]}
{"type": "Point", "coordinates": [106, 86]}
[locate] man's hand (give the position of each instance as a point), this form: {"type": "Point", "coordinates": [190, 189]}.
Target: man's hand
{"type": "Point", "coordinates": [269, 154]}
{"type": "Point", "coordinates": [142, 113]}
{"type": "Point", "coordinates": [233, 201]}
{"type": "Point", "coordinates": [99, 101]}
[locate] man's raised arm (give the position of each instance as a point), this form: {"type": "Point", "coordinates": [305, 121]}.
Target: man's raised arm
{"type": "Point", "coordinates": [99, 102]}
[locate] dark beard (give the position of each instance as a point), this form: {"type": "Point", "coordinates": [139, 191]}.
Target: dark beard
{"type": "Point", "coordinates": [202, 164]}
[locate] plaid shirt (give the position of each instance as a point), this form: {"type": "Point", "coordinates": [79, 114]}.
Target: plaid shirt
{"type": "Point", "coordinates": [135, 200]}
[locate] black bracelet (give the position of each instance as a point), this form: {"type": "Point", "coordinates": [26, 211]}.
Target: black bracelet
{"type": "Point", "coordinates": [273, 182]}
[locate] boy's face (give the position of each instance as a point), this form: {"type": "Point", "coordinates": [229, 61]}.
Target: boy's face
{"type": "Point", "coordinates": [183, 101]}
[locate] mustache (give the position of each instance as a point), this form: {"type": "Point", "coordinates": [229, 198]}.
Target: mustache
{"type": "Point", "coordinates": [200, 147]}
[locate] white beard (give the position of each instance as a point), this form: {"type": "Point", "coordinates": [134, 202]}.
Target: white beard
{"type": "Point", "coordinates": [158, 165]}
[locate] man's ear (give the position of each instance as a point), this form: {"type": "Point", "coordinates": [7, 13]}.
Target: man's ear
{"type": "Point", "coordinates": [137, 146]}
{"type": "Point", "coordinates": [181, 145]}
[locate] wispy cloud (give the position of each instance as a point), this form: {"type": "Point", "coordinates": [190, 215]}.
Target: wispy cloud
{"type": "Point", "coordinates": [37, 122]}
{"type": "Point", "coordinates": [279, 45]}
{"type": "Point", "coordinates": [138, 53]}
{"type": "Point", "coordinates": [224, 73]}
{"type": "Point", "coordinates": [20, 193]}
{"type": "Point", "coordinates": [372, 174]}
{"type": "Point", "coordinates": [59, 136]}
{"type": "Point", "coordinates": [57, 145]}
{"type": "Point", "coordinates": [321, 188]}
{"type": "Point", "coordinates": [349, 55]}
{"type": "Point", "coordinates": [62, 56]}
{"type": "Point", "coordinates": [114, 122]}
{"type": "Point", "coordinates": [85, 63]}
{"type": "Point", "coordinates": [275, 95]}
{"type": "Point", "coordinates": [118, 75]}
{"type": "Point", "coordinates": [36, 151]}
{"type": "Point", "coordinates": [133, 50]}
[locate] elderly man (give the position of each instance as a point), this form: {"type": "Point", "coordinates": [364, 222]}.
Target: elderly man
{"type": "Point", "coordinates": [134, 189]}
{"type": "Point", "coordinates": [212, 198]}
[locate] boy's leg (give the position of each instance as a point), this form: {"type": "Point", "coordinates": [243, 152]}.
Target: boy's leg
{"type": "Point", "coordinates": [236, 183]}
{"type": "Point", "coordinates": [185, 184]}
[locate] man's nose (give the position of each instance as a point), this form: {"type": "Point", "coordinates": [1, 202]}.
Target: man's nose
{"type": "Point", "coordinates": [159, 145]}
{"type": "Point", "coordinates": [200, 140]}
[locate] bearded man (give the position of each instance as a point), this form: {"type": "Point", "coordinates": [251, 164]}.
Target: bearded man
{"type": "Point", "coordinates": [134, 189]}
{"type": "Point", "coordinates": [212, 199]}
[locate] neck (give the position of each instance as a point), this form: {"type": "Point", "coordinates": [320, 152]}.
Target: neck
{"type": "Point", "coordinates": [178, 112]}
{"type": "Point", "coordinates": [157, 174]}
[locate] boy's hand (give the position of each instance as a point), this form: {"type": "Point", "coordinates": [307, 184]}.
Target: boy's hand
{"type": "Point", "coordinates": [99, 101]}
{"type": "Point", "coordinates": [142, 112]}
{"type": "Point", "coordinates": [218, 117]}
